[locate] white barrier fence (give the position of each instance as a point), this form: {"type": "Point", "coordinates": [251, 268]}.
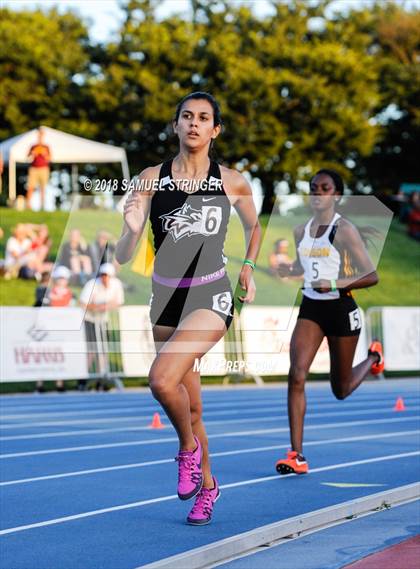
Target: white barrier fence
{"type": "Point", "coordinates": [267, 332]}
{"type": "Point", "coordinates": [398, 327]}
{"type": "Point", "coordinates": [51, 343]}
{"type": "Point", "coordinates": [42, 344]}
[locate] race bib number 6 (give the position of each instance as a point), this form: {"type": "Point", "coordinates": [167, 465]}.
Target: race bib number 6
{"type": "Point", "coordinates": [222, 302]}
{"type": "Point", "coordinates": [211, 219]}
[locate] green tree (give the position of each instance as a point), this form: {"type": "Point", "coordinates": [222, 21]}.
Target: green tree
{"type": "Point", "coordinates": [296, 97]}
{"type": "Point", "coordinates": [140, 79]}
{"type": "Point", "coordinates": [395, 37]}
{"type": "Point", "coordinates": [43, 63]}
{"type": "Point", "coordinates": [298, 89]}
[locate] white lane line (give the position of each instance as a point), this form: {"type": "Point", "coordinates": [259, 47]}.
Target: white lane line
{"type": "Point", "coordinates": [212, 455]}
{"type": "Point", "coordinates": [274, 409]}
{"type": "Point", "coordinates": [143, 407]}
{"type": "Point", "coordinates": [325, 468]}
{"type": "Point", "coordinates": [131, 505]}
{"type": "Point", "coordinates": [247, 420]}
{"type": "Point", "coordinates": [76, 433]}
{"type": "Point", "coordinates": [253, 411]}
{"type": "Point", "coordinates": [148, 407]}
{"type": "Point", "coordinates": [392, 388]}
{"type": "Point", "coordinates": [124, 419]}
{"type": "Point", "coordinates": [151, 407]}
{"type": "Point", "coordinates": [254, 432]}
{"type": "Point", "coordinates": [90, 411]}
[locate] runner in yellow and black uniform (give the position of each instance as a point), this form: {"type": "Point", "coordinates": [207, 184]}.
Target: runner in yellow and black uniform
{"type": "Point", "coordinates": [329, 248]}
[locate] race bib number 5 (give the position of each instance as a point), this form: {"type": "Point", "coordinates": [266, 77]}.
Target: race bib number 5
{"type": "Point", "coordinates": [355, 320]}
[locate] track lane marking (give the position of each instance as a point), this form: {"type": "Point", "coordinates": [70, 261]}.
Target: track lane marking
{"type": "Point", "coordinates": [151, 407]}
{"type": "Point", "coordinates": [212, 455]}
{"type": "Point", "coordinates": [141, 503]}
{"type": "Point", "coordinates": [214, 436]}
{"type": "Point", "coordinates": [341, 413]}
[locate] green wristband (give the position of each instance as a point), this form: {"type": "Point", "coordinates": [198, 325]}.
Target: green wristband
{"type": "Point", "coordinates": [250, 263]}
{"type": "Point", "coordinates": [333, 285]}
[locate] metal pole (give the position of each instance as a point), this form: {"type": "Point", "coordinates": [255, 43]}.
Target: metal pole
{"type": "Point", "coordinates": [12, 179]}
{"type": "Point", "coordinates": [74, 178]}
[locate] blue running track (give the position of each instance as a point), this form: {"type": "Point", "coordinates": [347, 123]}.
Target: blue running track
{"type": "Point", "coordinates": [86, 484]}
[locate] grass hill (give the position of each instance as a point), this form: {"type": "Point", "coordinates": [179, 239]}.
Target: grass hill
{"type": "Point", "coordinates": [398, 268]}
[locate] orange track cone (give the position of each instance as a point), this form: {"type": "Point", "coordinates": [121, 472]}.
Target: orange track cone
{"type": "Point", "coordinates": [156, 422]}
{"type": "Point", "coordinates": [399, 405]}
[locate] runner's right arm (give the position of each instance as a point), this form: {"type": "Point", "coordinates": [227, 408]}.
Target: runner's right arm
{"type": "Point", "coordinates": [136, 213]}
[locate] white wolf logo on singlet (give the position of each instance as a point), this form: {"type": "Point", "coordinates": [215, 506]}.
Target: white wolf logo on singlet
{"type": "Point", "coordinates": [186, 221]}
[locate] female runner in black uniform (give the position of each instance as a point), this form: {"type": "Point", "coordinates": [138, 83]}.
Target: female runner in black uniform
{"type": "Point", "coordinates": [192, 302]}
{"type": "Point", "coordinates": [327, 246]}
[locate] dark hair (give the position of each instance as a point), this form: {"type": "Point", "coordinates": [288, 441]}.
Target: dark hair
{"type": "Point", "coordinates": [335, 176]}
{"type": "Point", "coordinates": [367, 232]}
{"type": "Point", "coordinates": [280, 240]}
{"type": "Point", "coordinates": [197, 95]}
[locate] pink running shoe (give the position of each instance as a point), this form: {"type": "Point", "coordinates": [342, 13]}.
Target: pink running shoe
{"type": "Point", "coordinates": [203, 508]}
{"type": "Point", "coordinates": [190, 475]}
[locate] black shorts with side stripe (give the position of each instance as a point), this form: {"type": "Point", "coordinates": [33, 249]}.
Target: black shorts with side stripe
{"type": "Point", "coordinates": [340, 317]}
{"type": "Point", "coordinates": [168, 306]}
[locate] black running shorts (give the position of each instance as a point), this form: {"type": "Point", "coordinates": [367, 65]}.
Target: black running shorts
{"type": "Point", "coordinates": [337, 317]}
{"type": "Point", "coordinates": [168, 305]}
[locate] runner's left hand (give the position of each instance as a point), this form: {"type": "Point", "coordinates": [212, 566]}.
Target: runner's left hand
{"type": "Point", "coordinates": [323, 285]}
{"type": "Point", "coordinates": [246, 281]}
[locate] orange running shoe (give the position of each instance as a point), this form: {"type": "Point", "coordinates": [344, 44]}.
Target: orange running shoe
{"type": "Point", "coordinates": [295, 463]}
{"type": "Point", "coordinates": [376, 349]}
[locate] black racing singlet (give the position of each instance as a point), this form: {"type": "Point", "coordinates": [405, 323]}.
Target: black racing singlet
{"type": "Point", "coordinates": [189, 229]}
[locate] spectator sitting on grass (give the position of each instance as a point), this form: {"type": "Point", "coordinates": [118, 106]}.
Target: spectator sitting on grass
{"type": "Point", "coordinates": [102, 250]}
{"type": "Point", "coordinates": [17, 249]}
{"type": "Point", "coordinates": [279, 255]}
{"type": "Point", "coordinates": [40, 239]}
{"type": "Point", "coordinates": [40, 245]}
{"type": "Point", "coordinates": [75, 256]}
{"type": "Point", "coordinates": [21, 260]}
{"type": "Point", "coordinates": [60, 293]}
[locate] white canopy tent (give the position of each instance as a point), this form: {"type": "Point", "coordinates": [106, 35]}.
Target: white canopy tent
{"type": "Point", "coordinates": [65, 149]}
